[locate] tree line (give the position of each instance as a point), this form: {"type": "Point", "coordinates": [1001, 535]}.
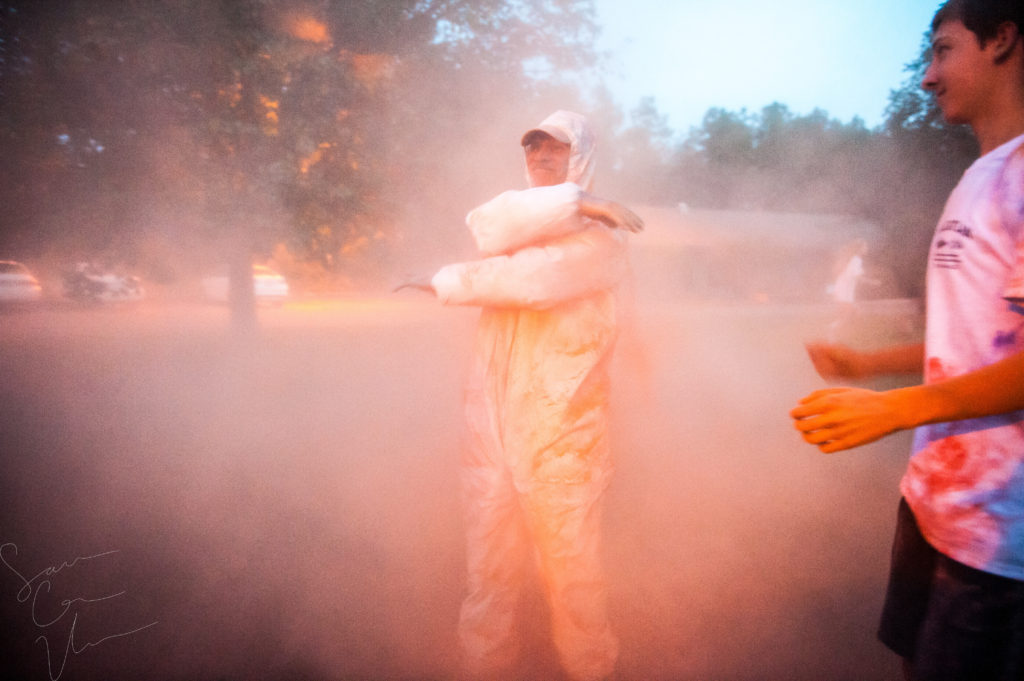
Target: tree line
{"type": "Point", "coordinates": [896, 175]}
{"type": "Point", "coordinates": [350, 136]}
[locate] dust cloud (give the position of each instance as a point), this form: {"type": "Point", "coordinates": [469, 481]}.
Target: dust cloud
{"type": "Point", "coordinates": [183, 505]}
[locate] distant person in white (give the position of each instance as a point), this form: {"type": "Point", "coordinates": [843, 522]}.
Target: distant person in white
{"type": "Point", "coordinates": [843, 290]}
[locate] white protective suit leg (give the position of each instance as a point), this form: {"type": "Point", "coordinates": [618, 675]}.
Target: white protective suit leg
{"type": "Point", "coordinates": [562, 531]}
{"type": "Point", "coordinates": [497, 551]}
{"type": "Point", "coordinates": [563, 534]}
{"type": "Point", "coordinates": [564, 520]}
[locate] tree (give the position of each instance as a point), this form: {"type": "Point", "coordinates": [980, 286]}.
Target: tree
{"type": "Point", "coordinates": [636, 159]}
{"type": "Point", "coordinates": [929, 156]}
{"type": "Point", "coordinates": [776, 160]}
{"type": "Point", "coordinates": [236, 124]}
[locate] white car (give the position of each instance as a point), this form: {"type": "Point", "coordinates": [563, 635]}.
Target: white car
{"type": "Point", "coordinates": [267, 286]}
{"type": "Point", "coordinates": [88, 283]}
{"type": "Point", "coordinates": [17, 284]}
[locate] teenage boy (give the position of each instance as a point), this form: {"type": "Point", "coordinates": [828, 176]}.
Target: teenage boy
{"type": "Point", "coordinates": [955, 603]}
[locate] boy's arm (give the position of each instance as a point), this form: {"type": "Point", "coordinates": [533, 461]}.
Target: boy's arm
{"type": "Point", "coordinates": [839, 361]}
{"type": "Point", "coordinates": [841, 418]}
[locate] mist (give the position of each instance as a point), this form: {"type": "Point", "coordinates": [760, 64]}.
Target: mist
{"type": "Point", "coordinates": [287, 507]}
{"type": "Point", "coordinates": [184, 503]}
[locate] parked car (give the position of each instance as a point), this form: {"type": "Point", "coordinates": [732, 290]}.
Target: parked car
{"type": "Point", "coordinates": [267, 285]}
{"type": "Point", "coordinates": [17, 283]}
{"type": "Point", "coordinates": [89, 283]}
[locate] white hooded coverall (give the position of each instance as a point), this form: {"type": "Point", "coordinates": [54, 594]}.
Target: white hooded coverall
{"type": "Point", "coordinates": [537, 461]}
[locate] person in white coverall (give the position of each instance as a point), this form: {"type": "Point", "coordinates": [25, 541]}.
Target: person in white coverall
{"type": "Point", "coordinates": [537, 461]}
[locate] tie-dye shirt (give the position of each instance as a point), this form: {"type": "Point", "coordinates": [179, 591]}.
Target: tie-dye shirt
{"type": "Point", "coordinates": [965, 479]}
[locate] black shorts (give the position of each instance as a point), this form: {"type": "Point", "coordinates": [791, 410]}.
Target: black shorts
{"type": "Point", "coordinates": [950, 621]}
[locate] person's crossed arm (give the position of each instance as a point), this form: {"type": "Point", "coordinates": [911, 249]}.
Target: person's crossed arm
{"type": "Point", "coordinates": [517, 219]}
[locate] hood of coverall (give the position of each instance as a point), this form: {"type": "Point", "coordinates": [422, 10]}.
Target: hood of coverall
{"type": "Point", "coordinates": [572, 129]}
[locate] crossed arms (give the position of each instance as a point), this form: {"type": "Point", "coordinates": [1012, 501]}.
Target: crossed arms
{"type": "Point", "coordinates": [542, 246]}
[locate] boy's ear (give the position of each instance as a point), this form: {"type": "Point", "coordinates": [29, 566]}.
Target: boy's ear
{"type": "Point", "coordinates": [1006, 40]}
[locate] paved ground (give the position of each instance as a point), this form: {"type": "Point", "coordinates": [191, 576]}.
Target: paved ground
{"type": "Point", "coordinates": [181, 506]}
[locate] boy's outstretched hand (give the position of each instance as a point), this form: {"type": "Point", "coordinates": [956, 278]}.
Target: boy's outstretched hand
{"type": "Point", "coordinates": [835, 419]}
{"type": "Point", "coordinates": [833, 361]}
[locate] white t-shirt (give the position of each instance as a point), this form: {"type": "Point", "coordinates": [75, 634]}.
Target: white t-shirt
{"type": "Point", "coordinates": [965, 479]}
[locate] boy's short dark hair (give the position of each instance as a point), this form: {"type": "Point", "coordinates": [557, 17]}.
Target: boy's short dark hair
{"type": "Point", "coordinates": [981, 17]}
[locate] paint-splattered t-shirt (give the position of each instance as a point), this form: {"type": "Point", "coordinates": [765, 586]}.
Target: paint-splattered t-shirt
{"type": "Point", "coordinates": [965, 479]}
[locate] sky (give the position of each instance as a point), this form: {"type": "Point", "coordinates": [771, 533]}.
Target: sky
{"type": "Point", "coordinates": [842, 56]}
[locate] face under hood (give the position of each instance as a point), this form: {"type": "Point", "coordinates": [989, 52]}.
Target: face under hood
{"type": "Point", "coordinates": [572, 129]}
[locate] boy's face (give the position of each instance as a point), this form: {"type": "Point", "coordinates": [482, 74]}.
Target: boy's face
{"type": "Point", "coordinates": [959, 73]}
